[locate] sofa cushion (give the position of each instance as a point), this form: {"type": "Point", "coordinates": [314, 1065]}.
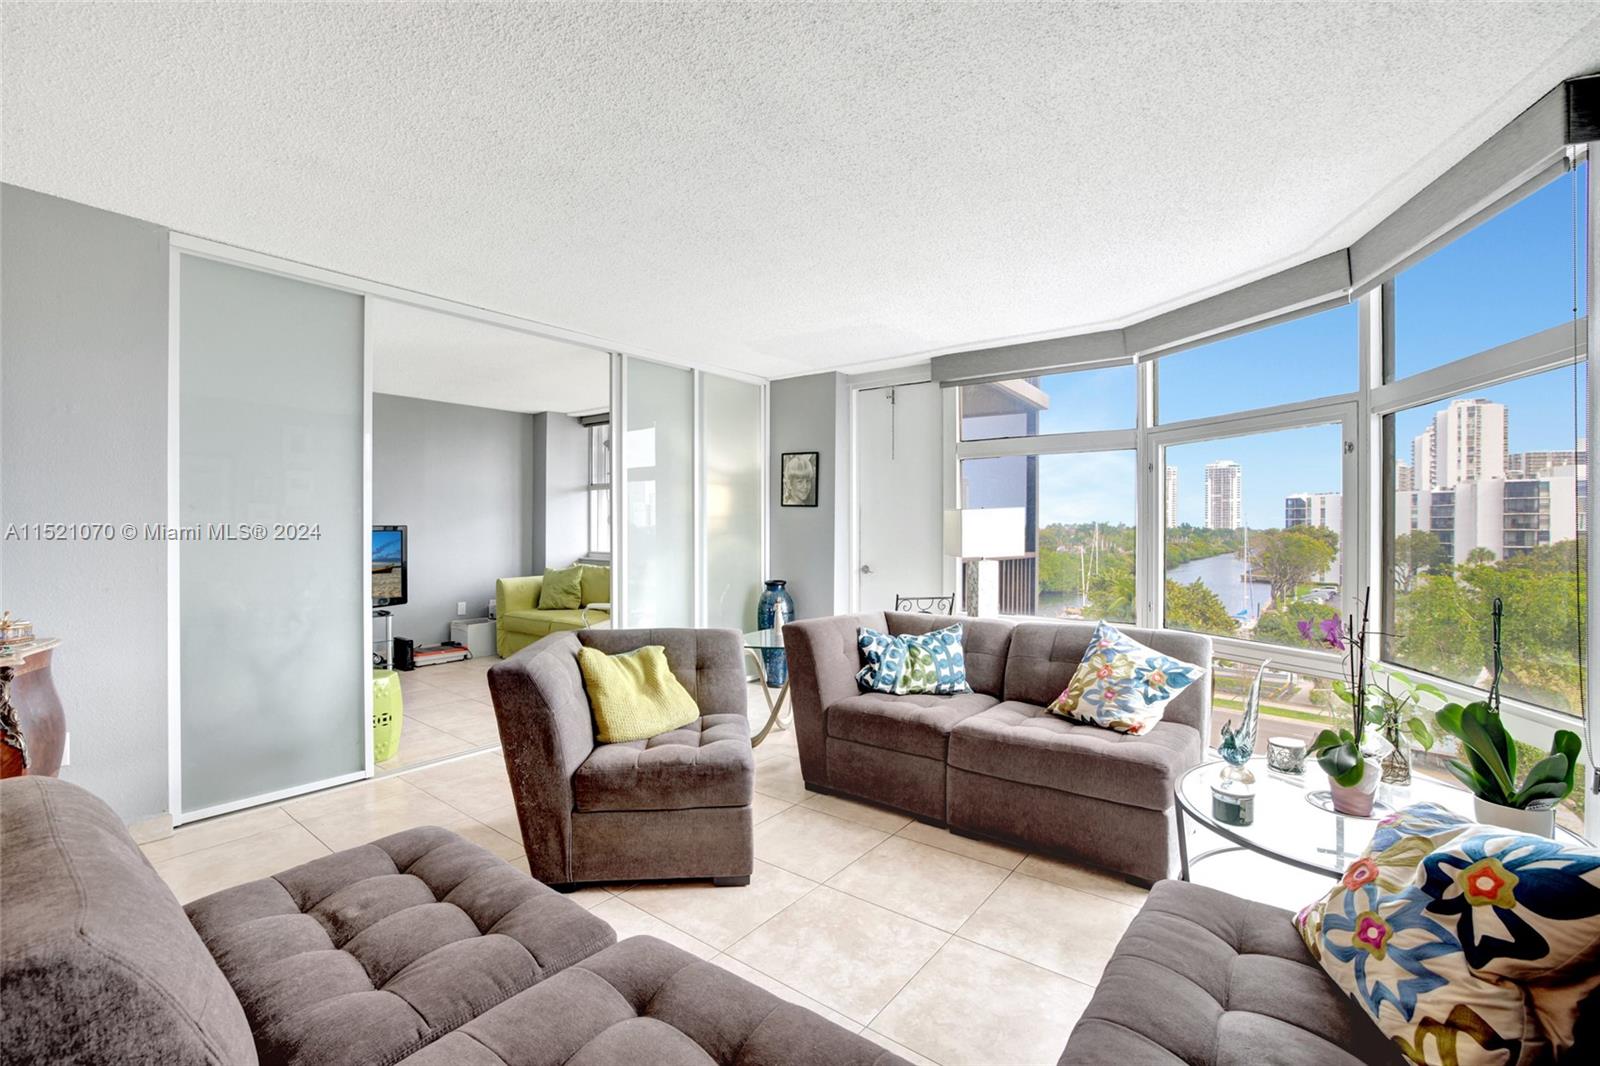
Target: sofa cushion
{"type": "Point", "coordinates": [916, 725]}
{"type": "Point", "coordinates": [368, 954]}
{"type": "Point", "coordinates": [1203, 978]}
{"type": "Point", "coordinates": [596, 584]}
{"type": "Point", "coordinates": [707, 763]}
{"type": "Point", "coordinates": [984, 644]}
{"type": "Point", "coordinates": [562, 590]}
{"type": "Point", "coordinates": [1123, 685]}
{"type": "Point", "coordinates": [97, 962]}
{"type": "Point", "coordinates": [1043, 656]}
{"type": "Point", "coordinates": [645, 1001]}
{"type": "Point", "coordinates": [633, 695]}
{"type": "Point", "coordinates": [543, 623]}
{"type": "Point", "coordinates": [1023, 742]}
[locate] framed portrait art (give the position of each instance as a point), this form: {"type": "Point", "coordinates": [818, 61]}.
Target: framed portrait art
{"type": "Point", "coordinates": [797, 485]}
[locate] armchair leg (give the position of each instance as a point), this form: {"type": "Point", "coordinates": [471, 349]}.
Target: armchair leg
{"type": "Point", "coordinates": [731, 882]}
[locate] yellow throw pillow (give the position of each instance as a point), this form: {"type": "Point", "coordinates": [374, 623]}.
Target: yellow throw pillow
{"type": "Point", "coordinates": [560, 590]}
{"type": "Point", "coordinates": [633, 695]}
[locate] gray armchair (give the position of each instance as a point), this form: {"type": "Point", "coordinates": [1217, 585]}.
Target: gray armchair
{"type": "Point", "coordinates": [674, 806]}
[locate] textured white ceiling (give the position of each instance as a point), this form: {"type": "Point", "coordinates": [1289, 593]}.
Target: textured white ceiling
{"type": "Point", "coordinates": [437, 356]}
{"type": "Point", "coordinates": [776, 188]}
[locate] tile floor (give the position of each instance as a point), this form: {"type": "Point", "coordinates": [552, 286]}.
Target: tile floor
{"type": "Point", "coordinates": [944, 949]}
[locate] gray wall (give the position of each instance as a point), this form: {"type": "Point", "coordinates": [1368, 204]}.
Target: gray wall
{"type": "Point", "coordinates": [561, 484]}
{"type": "Point", "coordinates": [461, 479]}
{"type": "Point", "coordinates": [809, 546]}
{"type": "Point", "coordinates": [83, 432]}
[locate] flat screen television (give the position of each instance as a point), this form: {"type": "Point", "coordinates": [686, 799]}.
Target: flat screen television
{"type": "Point", "coordinates": [388, 566]}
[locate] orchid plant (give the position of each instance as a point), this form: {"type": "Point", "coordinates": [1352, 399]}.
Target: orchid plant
{"type": "Point", "coordinates": [1340, 753]}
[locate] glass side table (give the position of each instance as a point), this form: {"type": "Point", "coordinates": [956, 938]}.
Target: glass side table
{"type": "Point", "coordinates": [778, 713]}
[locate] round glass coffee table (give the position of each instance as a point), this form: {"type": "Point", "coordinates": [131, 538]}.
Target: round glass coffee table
{"type": "Point", "coordinates": [1290, 828]}
{"type": "Point", "coordinates": [764, 640]}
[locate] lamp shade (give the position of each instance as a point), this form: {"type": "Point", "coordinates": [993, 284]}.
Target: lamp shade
{"type": "Point", "coordinates": [986, 532]}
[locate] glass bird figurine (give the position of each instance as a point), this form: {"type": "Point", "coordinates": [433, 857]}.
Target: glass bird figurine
{"type": "Point", "coordinates": [1239, 741]}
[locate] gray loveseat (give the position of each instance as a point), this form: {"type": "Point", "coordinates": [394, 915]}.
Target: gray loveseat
{"type": "Point", "coordinates": [674, 806]}
{"type": "Point", "coordinates": [994, 762]}
{"type": "Point", "coordinates": [420, 948]}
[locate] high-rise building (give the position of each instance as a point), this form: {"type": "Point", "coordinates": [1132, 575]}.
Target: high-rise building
{"type": "Point", "coordinates": [1224, 495]}
{"type": "Point", "coordinates": [1423, 475]}
{"type": "Point", "coordinates": [1469, 443]}
{"type": "Point", "coordinates": [1539, 464]}
{"type": "Point", "coordinates": [1172, 497]}
{"type": "Point", "coordinates": [1404, 479]}
{"type": "Point", "coordinates": [1323, 509]}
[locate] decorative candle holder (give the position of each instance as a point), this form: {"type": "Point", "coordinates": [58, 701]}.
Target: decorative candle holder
{"type": "Point", "coordinates": [1286, 755]}
{"type": "Point", "coordinates": [1233, 803]}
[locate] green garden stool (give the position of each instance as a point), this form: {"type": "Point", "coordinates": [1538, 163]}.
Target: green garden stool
{"type": "Point", "coordinates": [388, 712]}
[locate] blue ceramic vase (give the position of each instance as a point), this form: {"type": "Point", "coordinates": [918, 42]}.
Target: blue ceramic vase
{"type": "Point", "coordinates": [775, 608]}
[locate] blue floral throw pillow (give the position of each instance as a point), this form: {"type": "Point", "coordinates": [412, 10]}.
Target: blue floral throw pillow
{"type": "Point", "coordinates": [930, 663]}
{"type": "Point", "coordinates": [1123, 685]}
{"type": "Point", "coordinates": [1466, 944]}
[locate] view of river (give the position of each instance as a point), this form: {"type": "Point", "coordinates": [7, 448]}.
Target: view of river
{"type": "Point", "coordinates": [1219, 573]}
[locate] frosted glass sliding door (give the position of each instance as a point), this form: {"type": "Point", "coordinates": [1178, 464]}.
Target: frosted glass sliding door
{"type": "Point", "coordinates": [273, 554]}
{"type": "Point", "coordinates": [658, 468]}
{"type": "Point", "coordinates": [730, 464]}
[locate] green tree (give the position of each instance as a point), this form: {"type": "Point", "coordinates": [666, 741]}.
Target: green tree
{"type": "Point", "coordinates": [1479, 557]}
{"type": "Point", "coordinates": [1415, 553]}
{"type": "Point", "coordinates": [1196, 608]}
{"type": "Point", "coordinates": [1281, 624]}
{"type": "Point", "coordinates": [1287, 557]}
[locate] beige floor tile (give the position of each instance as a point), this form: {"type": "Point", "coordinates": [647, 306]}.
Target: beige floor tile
{"type": "Point", "coordinates": [898, 1048]}
{"type": "Point", "coordinates": [1084, 878]}
{"type": "Point", "coordinates": [781, 779]}
{"type": "Point", "coordinates": [421, 743]}
{"type": "Point", "coordinates": [474, 685]}
{"type": "Point", "coordinates": [764, 806]}
{"type": "Point", "coordinates": [468, 719]}
{"type": "Point", "coordinates": [779, 744]}
{"type": "Point", "coordinates": [974, 1006]}
{"type": "Point", "coordinates": [878, 818]}
{"type": "Point", "coordinates": [505, 847]}
{"type": "Point", "coordinates": [587, 898]}
{"type": "Point", "coordinates": [813, 844]}
{"type": "Point", "coordinates": [937, 887]}
{"type": "Point", "coordinates": [395, 806]}
{"type": "Point", "coordinates": [209, 870]}
{"type": "Point", "coordinates": [420, 697]}
{"type": "Point", "coordinates": [214, 831]}
{"type": "Point", "coordinates": [982, 850]}
{"type": "Point", "coordinates": [847, 954]}
{"type": "Point", "coordinates": [476, 785]}
{"type": "Point", "coordinates": [783, 991]}
{"type": "Point", "coordinates": [1060, 928]}
{"type": "Point", "coordinates": [629, 920]}
{"type": "Point", "coordinates": [357, 796]}
{"type": "Point", "coordinates": [720, 916]}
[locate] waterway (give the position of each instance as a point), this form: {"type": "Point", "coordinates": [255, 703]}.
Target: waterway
{"type": "Point", "coordinates": [1222, 574]}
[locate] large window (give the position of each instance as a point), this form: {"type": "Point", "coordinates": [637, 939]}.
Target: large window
{"type": "Point", "coordinates": [1301, 359]}
{"type": "Point", "coordinates": [1077, 513]}
{"type": "Point", "coordinates": [600, 489]}
{"type": "Point", "coordinates": [1508, 278]}
{"type": "Point", "coordinates": [1255, 532]}
{"type": "Point", "coordinates": [1076, 402]}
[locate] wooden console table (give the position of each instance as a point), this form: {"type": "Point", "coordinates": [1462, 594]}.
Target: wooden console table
{"type": "Point", "coordinates": [33, 728]}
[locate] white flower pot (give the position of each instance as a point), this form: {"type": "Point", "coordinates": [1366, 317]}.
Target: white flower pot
{"type": "Point", "coordinates": [1356, 800]}
{"type": "Point", "coordinates": [1538, 823]}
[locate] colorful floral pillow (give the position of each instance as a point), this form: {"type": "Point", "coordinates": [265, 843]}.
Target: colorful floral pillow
{"type": "Point", "coordinates": [930, 663]}
{"type": "Point", "coordinates": [1466, 944]}
{"type": "Point", "coordinates": [1123, 685]}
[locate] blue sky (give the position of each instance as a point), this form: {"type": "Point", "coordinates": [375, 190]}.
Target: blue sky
{"type": "Point", "coordinates": [1505, 279]}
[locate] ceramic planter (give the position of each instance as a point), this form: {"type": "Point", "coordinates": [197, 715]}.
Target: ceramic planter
{"type": "Point", "coordinates": [1357, 799]}
{"type": "Point", "coordinates": [1539, 823]}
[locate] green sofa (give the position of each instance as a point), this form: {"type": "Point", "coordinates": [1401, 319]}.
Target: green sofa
{"type": "Point", "coordinates": [519, 622]}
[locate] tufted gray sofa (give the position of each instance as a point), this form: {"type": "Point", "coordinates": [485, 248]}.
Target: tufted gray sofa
{"type": "Point", "coordinates": [1202, 978]}
{"type": "Point", "coordinates": [674, 806]}
{"type": "Point", "coordinates": [994, 762]}
{"type": "Point", "coordinates": [420, 948]}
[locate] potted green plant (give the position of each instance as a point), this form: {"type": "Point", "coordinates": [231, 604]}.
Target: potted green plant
{"type": "Point", "coordinates": [1344, 754]}
{"type": "Point", "coordinates": [1490, 768]}
{"type": "Point", "coordinates": [1396, 710]}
